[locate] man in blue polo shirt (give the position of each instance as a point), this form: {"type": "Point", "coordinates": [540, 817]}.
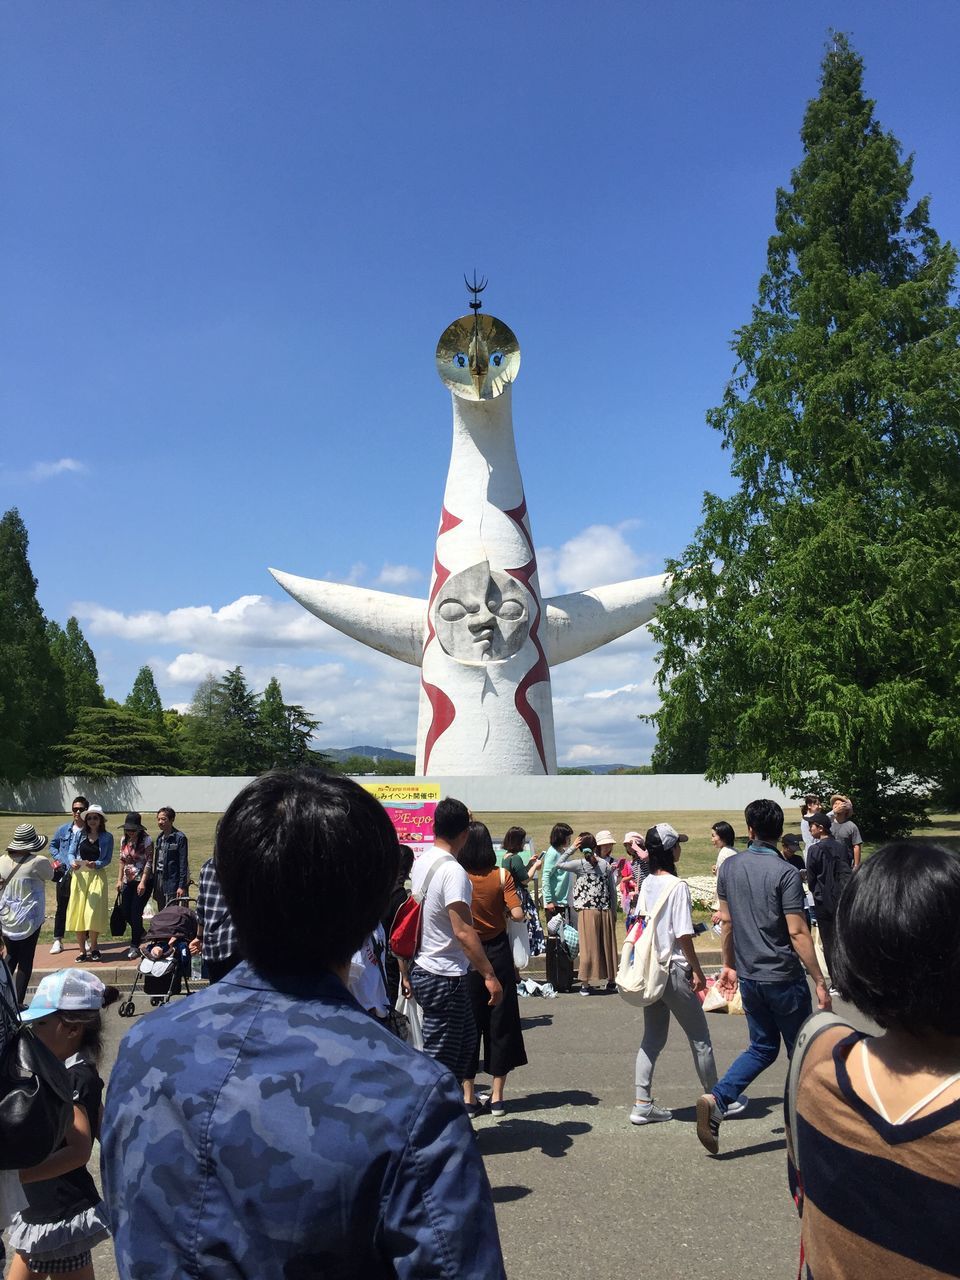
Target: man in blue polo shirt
{"type": "Point", "coordinates": [765, 938]}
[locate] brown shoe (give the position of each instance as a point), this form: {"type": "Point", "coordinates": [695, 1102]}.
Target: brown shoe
{"type": "Point", "coordinates": [708, 1122]}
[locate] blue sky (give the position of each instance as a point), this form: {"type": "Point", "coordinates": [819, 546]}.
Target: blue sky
{"type": "Point", "coordinates": [233, 233]}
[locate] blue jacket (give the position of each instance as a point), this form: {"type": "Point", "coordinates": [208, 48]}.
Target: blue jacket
{"type": "Point", "coordinates": [170, 862]}
{"type": "Point", "coordinates": [277, 1130]}
{"type": "Point", "coordinates": [64, 841]}
{"type": "Point", "coordinates": [105, 841]}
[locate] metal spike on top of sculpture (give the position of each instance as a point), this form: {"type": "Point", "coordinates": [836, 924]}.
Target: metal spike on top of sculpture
{"type": "Point", "coordinates": [485, 640]}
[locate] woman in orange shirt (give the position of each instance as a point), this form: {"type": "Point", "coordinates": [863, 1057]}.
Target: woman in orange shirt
{"type": "Point", "coordinates": [494, 898]}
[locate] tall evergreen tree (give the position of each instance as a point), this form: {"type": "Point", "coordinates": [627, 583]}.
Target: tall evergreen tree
{"type": "Point", "coordinates": [221, 733]}
{"type": "Point", "coordinates": [285, 730]}
{"type": "Point", "coordinates": [813, 627]}
{"type": "Point", "coordinates": [76, 660]}
{"type": "Point", "coordinates": [144, 699]}
{"type": "Point", "coordinates": [32, 704]}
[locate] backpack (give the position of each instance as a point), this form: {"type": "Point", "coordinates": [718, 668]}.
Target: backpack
{"type": "Point", "coordinates": [408, 922]}
{"type": "Point", "coordinates": [642, 976]}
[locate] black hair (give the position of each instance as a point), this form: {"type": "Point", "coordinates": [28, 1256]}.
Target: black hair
{"type": "Point", "coordinates": [588, 842]}
{"type": "Point", "coordinates": [80, 800]}
{"type": "Point", "coordinates": [91, 1041]}
{"type": "Point", "coordinates": [406, 863]}
{"type": "Point", "coordinates": [477, 854]}
{"type": "Point", "coordinates": [895, 955]}
{"type": "Point", "coordinates": [561, 833]}
{"type": "Point", "coordinates": [298, 840]}
{"type": "Point", "coordinates": [171, 813]}
{"type": "Point", "coordinates": [514, 840]}
{"type": "Point", "coordinates": [661, 859]}
{"type": "Point", "coordinates": [725, 832]}
{"type": "Point", "coordinates": [765, 819]}
{"type": "Point", "coordinates": [451, 819]}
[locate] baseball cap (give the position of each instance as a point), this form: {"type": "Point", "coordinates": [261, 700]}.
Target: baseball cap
{"type": "Point", "coordinates": [665, 836]}
{"type": "Point", "coordinates": [791, 841]}
{"type": "Point", "coordinates": [65, 991]}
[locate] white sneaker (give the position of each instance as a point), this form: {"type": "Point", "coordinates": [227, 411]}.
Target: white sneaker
{"type": "Point", "coordinates": [57, 947]}
{"type": "Point", "coordinates": [834, 994]}
{"type": "Point", "coordinates": [649, 1113]}
{"type": "Point", "coordinates": [737, 1107]}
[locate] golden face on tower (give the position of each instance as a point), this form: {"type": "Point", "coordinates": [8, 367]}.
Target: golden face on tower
{"type": "Point", "coordinates": [477, 356]}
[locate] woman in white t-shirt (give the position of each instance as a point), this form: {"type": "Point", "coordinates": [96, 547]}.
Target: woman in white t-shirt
{"type": "Point", "coordinates": [674, 938]}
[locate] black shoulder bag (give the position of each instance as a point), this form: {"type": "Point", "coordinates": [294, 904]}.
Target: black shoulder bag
{"type": "Point", "coordinates": [36, 1098]}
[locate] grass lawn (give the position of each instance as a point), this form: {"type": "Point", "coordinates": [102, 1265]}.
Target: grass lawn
{"type": "Point", "coordinates": [697, 856]}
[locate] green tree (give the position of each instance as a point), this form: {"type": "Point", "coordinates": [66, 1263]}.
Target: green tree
{"type": "Point", "coordinates": [221, 733]}
{"type": "Point", "coordinates": [813, 622]}
{"type": "Point", "coordinates": [75, 658]}
{"type": "Point", "coordinates": [285, 731]}
{"type": "Point", "coordinates": [199, 728]}
{"type": "Point", "coordinates": [32, 703]}
{"type": "Point", "coordinates": [112, 742]}
{"type": "Point", "coordinates": [144, 699]}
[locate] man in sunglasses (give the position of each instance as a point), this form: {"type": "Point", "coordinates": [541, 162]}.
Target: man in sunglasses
{"type": "Point", "coordinates": [62, 846]}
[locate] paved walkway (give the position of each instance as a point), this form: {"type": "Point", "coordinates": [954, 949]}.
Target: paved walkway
{"type": "Point", "coordinates": [580, 1192]}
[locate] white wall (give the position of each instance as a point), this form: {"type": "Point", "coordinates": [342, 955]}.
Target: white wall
{"type": "Point", "coordinates": [645, 793]}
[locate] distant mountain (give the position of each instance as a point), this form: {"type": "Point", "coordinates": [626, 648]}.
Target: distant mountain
{"type": "Point", "coordinates": [601, 768]}
{"type": "Point", "coordinates": [374, 753]}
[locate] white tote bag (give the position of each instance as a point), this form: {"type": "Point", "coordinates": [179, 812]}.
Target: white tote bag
{"type": "Point", "coordinates": [643, 973]}
{"type": "Point", "coordinates": [518, 935]}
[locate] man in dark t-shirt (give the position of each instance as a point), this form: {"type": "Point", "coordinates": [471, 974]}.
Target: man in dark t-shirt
{"type": "Point", "coordinates": [765, 938]}
{"type": "Point", "coordinates": [829, 867]}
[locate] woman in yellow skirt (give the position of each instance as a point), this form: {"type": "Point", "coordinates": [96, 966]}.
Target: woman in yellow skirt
{"type": "Point", "coordinates": [87, 913]}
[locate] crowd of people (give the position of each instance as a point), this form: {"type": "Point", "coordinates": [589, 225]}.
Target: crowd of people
{"type": "Point", "coordinates": [318, 1142]}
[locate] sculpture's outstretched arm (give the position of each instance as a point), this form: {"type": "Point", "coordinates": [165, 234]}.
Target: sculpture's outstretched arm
{"type": "Point", "coordinates": [584, 620]}
{"type": "Point", "coordinates": [393, 624]}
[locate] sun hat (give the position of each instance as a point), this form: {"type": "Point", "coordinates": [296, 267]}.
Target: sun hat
{"type": "Point", "coordinates": [65, 991]}
{"type": "Point", "coordinates": [133, 822]}
{"type": "Point", "coordinates": [604, 837]}
{"type": "Point", "coordinates": [26, 840]}
{"type": "Point", "coordinates": [94, 808]}
{"type": "Point", "coordinates": [628, 836]}
{"type": "Point", "coordinates": [665, 836]}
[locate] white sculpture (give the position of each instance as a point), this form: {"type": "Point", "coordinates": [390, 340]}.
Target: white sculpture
{"type": "Point", "coordinates": [484, 640]}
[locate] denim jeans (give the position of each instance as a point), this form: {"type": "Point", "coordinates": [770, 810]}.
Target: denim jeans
{"type": "Point", "coordinates": [773, 1009]}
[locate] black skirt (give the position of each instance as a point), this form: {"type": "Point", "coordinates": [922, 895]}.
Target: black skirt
{"type": "Point", "coordinates": [498, 1028]}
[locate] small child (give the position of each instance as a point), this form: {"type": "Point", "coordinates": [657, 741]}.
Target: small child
{"type": "Point", "coordinates": [64, 1217]}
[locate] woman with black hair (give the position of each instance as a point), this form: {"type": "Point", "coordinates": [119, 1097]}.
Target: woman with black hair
{"type": "Point", "coordinates": [673, 939]}
{"type": "Point", "coordinates": [877, 1140]}
{"type": "Point", "coordinates": [595, 922]}
{"type": "Point", "coordinates": [494, 898]}
{"type": "Point", "coordinates": [522, 872]}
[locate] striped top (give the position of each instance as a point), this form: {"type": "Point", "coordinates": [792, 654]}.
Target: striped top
{"type": "Point", "coordinates": [879, 1199]}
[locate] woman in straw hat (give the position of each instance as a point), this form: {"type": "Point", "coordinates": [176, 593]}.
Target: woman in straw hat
{"type": "Point", "coordinates": [87, 913]}
{"type": "Point", "coordinates": [24, 872]}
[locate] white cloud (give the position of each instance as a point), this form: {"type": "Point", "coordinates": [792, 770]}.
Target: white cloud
{"type": "Point", "coordinates": [252, 621]}
{"type": "Point", "coordinates": [191, 668]}
{"type": "Point", "coordinates": [398, 575]}
{"type": "Point", "coordinates": [41, 471]}
{"type": "Point", "coordinates": [598, 555]}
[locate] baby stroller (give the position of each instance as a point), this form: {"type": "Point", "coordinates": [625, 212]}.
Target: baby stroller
{"type": "Point", "coordinates": [165, 957]}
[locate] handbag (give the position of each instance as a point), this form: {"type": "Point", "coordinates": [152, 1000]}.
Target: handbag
{"type": "Point", "coordinates": [642, 976]}
{"type": "Point", "coordinates": [118, 921]}
{"type": "Point", "coordinates": [716, 1002]}
{"type": "Point", "coordinates": [411, 1011]}
{"type": "Point", "coordinates": [518, 935]}
{"type": "Point", "coordinates": [36, 1096]}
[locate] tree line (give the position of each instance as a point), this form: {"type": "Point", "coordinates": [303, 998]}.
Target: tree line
{"type": "Point", "coordinates": [56, 720]}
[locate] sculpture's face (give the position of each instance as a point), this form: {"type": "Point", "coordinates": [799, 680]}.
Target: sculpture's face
{"type": "Point", "coordinates": [482, 615]}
